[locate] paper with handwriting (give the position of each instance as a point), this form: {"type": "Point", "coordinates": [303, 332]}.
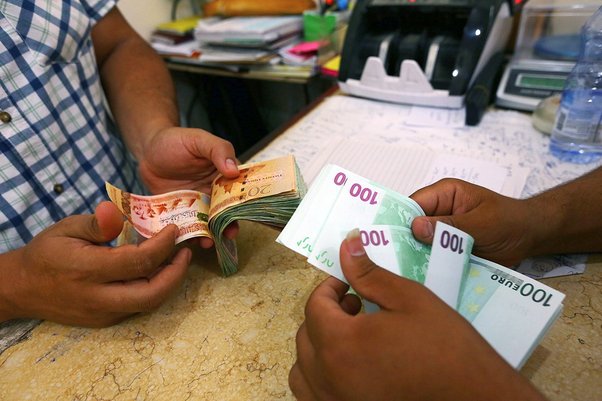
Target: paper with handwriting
{"type": "Point", "coordinates": [502, 137]}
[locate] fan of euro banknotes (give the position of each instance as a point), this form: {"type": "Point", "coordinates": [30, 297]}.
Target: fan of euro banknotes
{"type": "Point", "coordinates": [510, 310]}
{"type": "Point", "coordinates": [267, 192]}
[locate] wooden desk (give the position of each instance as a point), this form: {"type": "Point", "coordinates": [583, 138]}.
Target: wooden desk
{"type": "Point", "coordinates": [234, 338]}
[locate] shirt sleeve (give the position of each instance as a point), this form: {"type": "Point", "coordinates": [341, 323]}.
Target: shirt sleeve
{"type": "Point", "coordinates": [96, 9]}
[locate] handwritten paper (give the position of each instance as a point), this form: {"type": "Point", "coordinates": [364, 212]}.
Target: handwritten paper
{"type": "Point", "coordinates": [502, 137]}
{"type": "Point", "coordinates": [434, 117]}
{"type": "Point", "coordinates": [406, 169]}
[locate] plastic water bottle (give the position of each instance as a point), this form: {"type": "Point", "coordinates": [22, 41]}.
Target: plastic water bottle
{"type": "Point", "coordinates": [577, 134]}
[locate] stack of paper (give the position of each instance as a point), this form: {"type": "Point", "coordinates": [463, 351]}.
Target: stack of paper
{"type": "Point", "coordinates": [248, 31]}
{"type": "Point", "coordinates": [511, 311]}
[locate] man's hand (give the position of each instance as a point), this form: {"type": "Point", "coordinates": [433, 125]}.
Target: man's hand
{"type": "Point", "coordinates": [66, 275]}
{"type": "Point", "coordinates": [186, 158]}
{"type": "Point", "coordinates": [414, 348]}
{"type": "Point", "coordinates": [504, 229]}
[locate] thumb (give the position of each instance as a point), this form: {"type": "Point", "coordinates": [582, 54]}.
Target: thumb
{"type": "Point", "coordinates": [370, 281]}
{"type": "Point", "coordinates": [222, 156]}
{"type": "Point", "coordinates": [423, 227]}
{"type": "Point", "coordinates": [106, 224]}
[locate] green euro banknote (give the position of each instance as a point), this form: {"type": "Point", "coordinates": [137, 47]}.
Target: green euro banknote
{"type": "Point", "coordinates": [340, 201]}
{"type": "Point", "coordinates": [442, 267]}
{"type": "Point", "coordinates": [511, 311]}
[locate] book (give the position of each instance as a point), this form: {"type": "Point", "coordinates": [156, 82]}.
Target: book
{"type": "Point", "coordinates": [182, 26]}
{"type": "Point", "coordinates": [266, 191]}
{"type": "Point", "coordinates": [246, 31]}
{"type": "Point", "coordinates": [167, 38]}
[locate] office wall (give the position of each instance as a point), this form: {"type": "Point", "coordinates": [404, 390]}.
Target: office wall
{"type": "Point", "coordinates": [144, 15]}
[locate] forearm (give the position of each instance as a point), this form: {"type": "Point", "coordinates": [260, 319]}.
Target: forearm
{"type": "Point", "coordinates": [571, 216]}
{"type": "Point", "coordinates": [138, 86]}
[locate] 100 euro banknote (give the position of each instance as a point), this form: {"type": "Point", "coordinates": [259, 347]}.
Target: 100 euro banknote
{"type": "Point", "coordinates": [510, 310]}
{"type": "Point", "coordinates": [339, 201]}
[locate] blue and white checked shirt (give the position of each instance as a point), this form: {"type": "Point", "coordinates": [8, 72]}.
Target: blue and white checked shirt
{"type": "Point", "coordinates": [57, 149]}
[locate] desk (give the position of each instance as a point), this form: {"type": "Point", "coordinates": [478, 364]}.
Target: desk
{"type": "Point", "coordinates": [234, 338]}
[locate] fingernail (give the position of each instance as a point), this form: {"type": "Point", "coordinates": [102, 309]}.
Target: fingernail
{"type": "Point", "coordinates": [353, 242]}
{"type": "Point", "coordinates": [429, 229]}
{"type": "Point", "coordinates": [230, 164]}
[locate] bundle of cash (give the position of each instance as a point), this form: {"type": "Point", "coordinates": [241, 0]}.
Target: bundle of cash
{"type": "Point", "coordinates": [510, 310]}
{"type": "Point", "coordinates": [267, 192]}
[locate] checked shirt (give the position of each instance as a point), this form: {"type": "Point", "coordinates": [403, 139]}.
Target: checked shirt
{"type": "Point", "coordinates": [56, 146]}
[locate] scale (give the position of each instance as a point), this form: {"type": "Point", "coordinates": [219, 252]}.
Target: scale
{"type": "Point", "coordinates": [526, 82]}
{"type": "Point", "coordinates": [546, 50]}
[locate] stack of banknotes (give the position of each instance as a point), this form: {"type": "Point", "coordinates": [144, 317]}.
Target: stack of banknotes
{"type": "Point", "coordinates": [267, 192]}
{"type": "Point", "coordinates": [511, 311]}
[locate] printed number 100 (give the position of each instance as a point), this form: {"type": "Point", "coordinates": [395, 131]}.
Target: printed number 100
{"type": "Point", "coordinates": [373, 237]}
{"type": "Point", "coordinates": [356, 190]}
{"type": "Point", "coordinates": [452, 242]}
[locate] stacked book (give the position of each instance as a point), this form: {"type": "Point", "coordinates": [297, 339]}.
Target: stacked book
{"type": "Point", "coordinates": [175, 38]}
{"type": "Point", "coordinates": [251, 40]}
{"type": "Point", "coordinates": [174, 32]}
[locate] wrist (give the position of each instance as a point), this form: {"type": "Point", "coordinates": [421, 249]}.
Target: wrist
{"type": "Point", "coordinates": [9, 265]}
{"type": "Point", "coordinates": [142, 144]}
{"type": "Point", "coordinates": [548, 213]}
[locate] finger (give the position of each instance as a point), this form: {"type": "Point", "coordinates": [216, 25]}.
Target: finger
{"type": "Point", "coordinates": [232, 230]}
{"type": "Point", "coordinates": [143, 295]}
{"type": "Point", "coordinates": [101, 227]}
{"type": "Point", "coordinates": [220, 152]}
{"type": "Point", "coordinates": [299, 385]}
{"type": "Point", "coordinates": [130, 262]}
{"type": "Point", "coordinates": [109, 220]}
{"type": "Point", "coordinates": [423, 227]}
{"type": "Point", "coordinates": [437, 198]}
{"type": "Point", "coordinates": [323, 311]}
{"type": "Point", "coordinates": [369, 280]}
{"type": "Point", "coordinates": [206, 242]}
{"type": "Point", "coordinates": [326, 298]}
{"type": "Point", "coordinates": [306, 364]}
{"type": "Point", "coordinates": [351, 304]}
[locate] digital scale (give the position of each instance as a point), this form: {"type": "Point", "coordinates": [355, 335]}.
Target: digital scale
{"type": "Point", "coordinates": [545, 52]}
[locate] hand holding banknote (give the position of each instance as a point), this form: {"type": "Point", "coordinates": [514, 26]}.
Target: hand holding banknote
{"type": "Point", "coordinates": [414, 348]}
{"type": "Point", "coordinates": [266, 191]}
{"type": "Point", "coordinates": [183, 158]}
{"type": "Point", "coordinates": [65, 274]}
{"type": "Point", "coordinates": [475, 210]}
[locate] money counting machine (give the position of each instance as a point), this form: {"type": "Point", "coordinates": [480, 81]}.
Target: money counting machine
{"type": "Point", "coordinates": [440, 53]}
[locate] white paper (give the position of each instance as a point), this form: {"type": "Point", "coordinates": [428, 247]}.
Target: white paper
{"type": "Point", "coordinates": [436, 117]}
{"type": "Point", "coordinates": [502, 137]}
{"type": "Point", "coordinates": [406, 169]}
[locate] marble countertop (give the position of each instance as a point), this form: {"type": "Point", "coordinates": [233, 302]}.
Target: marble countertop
{"type": "Point", "coordinates": [234, 338]}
